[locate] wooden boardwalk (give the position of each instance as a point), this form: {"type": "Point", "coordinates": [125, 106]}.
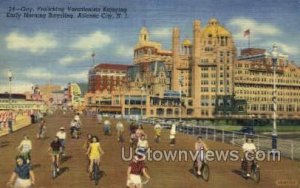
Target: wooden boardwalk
{"type": "Point", "coordinates": [164, 174]}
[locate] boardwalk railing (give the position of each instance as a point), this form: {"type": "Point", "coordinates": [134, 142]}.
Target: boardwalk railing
{"type": "Point", "coordinates": [287, 147]}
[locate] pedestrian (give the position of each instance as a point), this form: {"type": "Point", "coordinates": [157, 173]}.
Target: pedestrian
{"type": "Point", "coordinates": [23, 176]}
{"type": "Point", "coordinates": [136, 169]}
{"type": "Point", "coordinates": [120, 131]}
{"type": "Point", "coordinates": [172, 134]}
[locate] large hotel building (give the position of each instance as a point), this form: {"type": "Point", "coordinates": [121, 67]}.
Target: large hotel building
{"type": "Point", "coordinates": [201, 78]}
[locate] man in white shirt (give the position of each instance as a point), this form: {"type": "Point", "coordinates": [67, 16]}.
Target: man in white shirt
{"type": "Point", "coordinates": [61, 134]}
{"type": "Point", "coordinates": [25, 148]}
{"type": "Point", "coordinates": [249, 151]}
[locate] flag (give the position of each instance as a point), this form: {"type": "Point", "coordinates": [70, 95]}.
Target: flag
{"type": "Point", "coordinates": [247, 32]}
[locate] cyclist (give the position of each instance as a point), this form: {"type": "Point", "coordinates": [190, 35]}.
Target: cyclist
{"type": "Point", "coordinates": [157, 129]}
{"type": "Point", "coordinates": [133, 139]}
{"type": "Point", "coordinates": [61, 134]}
{"type": "Point", "coordinates": [86, 146]}
{"type": "Point", "coordinates": [143, 144]}
{"type": "Point", "coordinates": [99, 118]}
{"type": "Point", "coordinates": [94, 152]}
{"type": "Point", "coordinates": [88, 141]}
{"type": "Point", "coordinates": [106, 127]}
{"type": "Point", "coordinates": [23, 176]}
{"type": "Point", "coordinates": [55, 148]}
{"type": "Point", "coordinates": [249, 150]}
{"type": "Point", "coordinates": [200, 148]}
{"type": "Point", "coordinates": [25, 148]}
{"type": "Point", "coordinates": [139, 132]}
{"type": "Point", "coordinates": [42, 129]}
{"type": "Point", "coordinates": [136, 169]}
{"type": "Point", "coordinates": [120, 131]}
{"type": "Point", "coordinates": [77, 118]}
{"type": "Point", "coordinates": [74, 126]}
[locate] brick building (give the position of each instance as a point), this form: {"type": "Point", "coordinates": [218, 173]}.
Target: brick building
{"type": "Point", "coordinates": [107, 77]}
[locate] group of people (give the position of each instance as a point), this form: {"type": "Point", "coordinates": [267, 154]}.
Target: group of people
{"type": "Point", "coordinates": [23, 175]}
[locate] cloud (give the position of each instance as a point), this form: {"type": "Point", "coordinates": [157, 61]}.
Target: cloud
{"type": "Point", "coordinates": [285, 48]}
{"type": "Point", "coordinates": [69, 60]}
{"type": "Point", "coordinates": [92, 41]}
{"type": "Point", "coordinates": [257, 29]}
{"type": "Point", "coordinates": [125, 51]}
{"type": "Point", "coordinates": [38, 73]}
{"type": "Point", "coordinates": [79, 76]}
{"type": "Point", "coordinates": [36, 44]}
{"type": "Point", "coordinates": [161, 32]}
{"type": "Point", "coordinates": [17, 87]}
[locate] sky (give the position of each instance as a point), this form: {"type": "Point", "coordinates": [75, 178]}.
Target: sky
{"type": "Point", "coordinates": [57, 51]}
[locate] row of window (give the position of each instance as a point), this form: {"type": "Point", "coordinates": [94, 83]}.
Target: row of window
{"type": "Point", "coordinates": [269, 107]}
{"type": "Point", "coordinates": [213, 89]}
{"type": "Point", "coordinates": [214, 68]}
{"type": "Point", "coordinates": [268, 92]}
{"type": "Point", "coordinates": [19, 106]}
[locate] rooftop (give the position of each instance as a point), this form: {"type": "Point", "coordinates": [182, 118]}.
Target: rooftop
{"type": "Point", "coordinates": [112, 66]}
{"type": "Point", "coordinates": [13, 96]}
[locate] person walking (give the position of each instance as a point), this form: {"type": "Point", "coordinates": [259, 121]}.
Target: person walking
{"type": "Point", "coordinates": [120, 131]}
{"type": "Point", "coordinates": [172, 134]}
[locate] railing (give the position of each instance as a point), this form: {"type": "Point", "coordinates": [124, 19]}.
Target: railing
{"type": "Point", "coordinates": [287, 147]}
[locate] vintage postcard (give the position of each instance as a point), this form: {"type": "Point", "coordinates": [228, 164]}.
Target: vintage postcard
{"type": "Point", "coordinates": [136, 93]}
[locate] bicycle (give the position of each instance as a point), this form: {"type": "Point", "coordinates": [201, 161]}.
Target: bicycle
{"type": "Point", "coordinates": [204, 170]}
{"type": "Point", "coordinates": [157, 139]}
{"type": "Point", "coordinates": [75, 133]}
{"type": "Point", "coordinates": [54, 168]}
{"type": "Point", "coordinates": [121, 138]}
{"type": "Point", "coordinates": [27, 157]}
{"type": "Point", "coordinates": [254, 170]}
{"type": "Point", "coordinates": [157, 135]}
{"type": "Point", "coordinates": [41, 134]}
{"type": "Point", "coordinates": [133, 141]}
{"type": "Point", "coordinates": [96, 173]}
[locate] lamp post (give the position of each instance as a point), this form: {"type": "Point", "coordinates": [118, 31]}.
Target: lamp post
{"type": "Point", "coordinates": [253, 121]}
{"type": "Point", "coordinates": [274, 55]}
{"type": "Point", "coordinates": [180, 96]}
{"type": "Point", "coordinates": [10, 76]}
{"type": "Point", "coordinates": [142, 89]}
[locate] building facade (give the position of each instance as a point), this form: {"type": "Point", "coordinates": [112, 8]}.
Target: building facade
{"type": "Point", "coordinates": [107, 77]}
{"type": "Point", "coordinates": [253, 80]}
{"type": "Point", "coordinates": [201, 78]}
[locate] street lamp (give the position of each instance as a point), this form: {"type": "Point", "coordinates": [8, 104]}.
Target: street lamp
{"type": "Point", "coordinates": [253, 120]}
{"type": "Point", "coordinates": [180, 83]}
{"type": "Point", "coordinates": [10, 76]}
{"type": "Point", "coordinates": [274, 55]}
{"type": "Point", "coordinates": [142, 89]}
